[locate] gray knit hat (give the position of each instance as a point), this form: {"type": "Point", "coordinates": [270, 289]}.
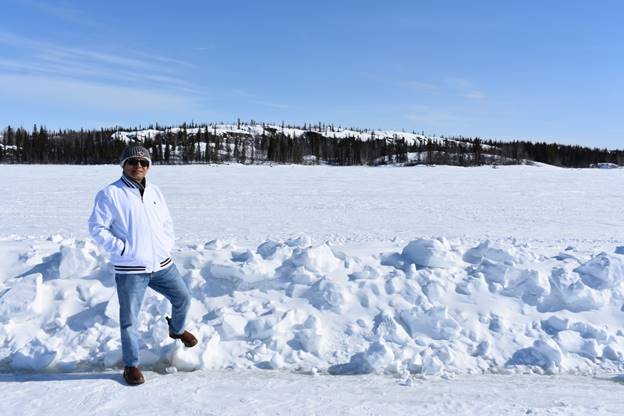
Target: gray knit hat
{"type": "Point", "coordinates": [135, 150]}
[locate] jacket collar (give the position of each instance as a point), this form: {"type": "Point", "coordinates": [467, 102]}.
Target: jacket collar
{"type": "Point", "coordinates": [131, 183]}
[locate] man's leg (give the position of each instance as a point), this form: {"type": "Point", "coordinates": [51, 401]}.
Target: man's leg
{"type": "Point", "coordinates": [130, 291]}
{"type": "Point", "coordinates": [169, 283]}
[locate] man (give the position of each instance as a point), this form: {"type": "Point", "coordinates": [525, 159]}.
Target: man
{"type": "Point", "coordinates": [131, 221]}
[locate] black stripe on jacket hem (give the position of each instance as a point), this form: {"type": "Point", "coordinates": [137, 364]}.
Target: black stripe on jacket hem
{"type": "Point", "coordinates": [165, 262]}
{"type": "Point", "coordinates": [129, 268]}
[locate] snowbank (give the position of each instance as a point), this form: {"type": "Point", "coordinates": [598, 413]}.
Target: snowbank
{"type": "Point", "coordinates": [435, 306]}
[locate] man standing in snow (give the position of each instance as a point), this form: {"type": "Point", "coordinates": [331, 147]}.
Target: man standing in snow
{"type": "Point", "coordinates": [131, 221]}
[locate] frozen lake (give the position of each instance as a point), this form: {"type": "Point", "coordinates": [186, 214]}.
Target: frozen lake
{"type": "Point", "coordinates": [340, 204]}
{"type": "Point", "coordinates": [543, 295]}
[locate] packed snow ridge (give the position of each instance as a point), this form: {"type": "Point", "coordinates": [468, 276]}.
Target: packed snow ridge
{"type": "Point", "coordinates": [435, 307]}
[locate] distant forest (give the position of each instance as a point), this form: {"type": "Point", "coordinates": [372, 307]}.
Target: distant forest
{"type": "Point", "coordinates": [180, 146]}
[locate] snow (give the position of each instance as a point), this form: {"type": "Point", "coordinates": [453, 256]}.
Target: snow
{"type": "Point", "coordinates": [258, 129]}
{"type": "Point", "coordinates": [278, 393]}
{"type": "Point", "coordinates": [411, 276]}
{"type": "Point", "coordinates": [604, 165]}
{"type": "Point", "coordinates": [362, 206]}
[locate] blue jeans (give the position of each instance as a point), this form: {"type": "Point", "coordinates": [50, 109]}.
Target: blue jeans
{"type": "Point", "coordinates": [130, 291]}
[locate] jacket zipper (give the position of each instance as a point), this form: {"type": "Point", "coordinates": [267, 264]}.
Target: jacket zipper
{"type": "Point", "coordinates": [150, 226]}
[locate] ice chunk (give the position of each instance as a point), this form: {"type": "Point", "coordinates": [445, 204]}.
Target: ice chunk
{"type": "Point", "coordinates": [493, 272]}
{"type": "Point", "coordinates": [367, 273]}
{"type": "Point", "coordinates": [34, 356]}
{"type": "Point", "coordinates": [379, 356]}
{"type": "Point", "coordinates": [529, 285]}
{"type": "Point", "coordinates": [554, 324]}
{"type": "Point", "coordinates": [435, 323]}
{"type": "Point", "coordinates": [23, 300]}
{"type": "Point", "coordinates": [613, 352]}
{"type": "Point", "coordinates": [604, 271]}
{"type": "Point", "coordinates": [78, 261]}
{"type": "Point", "coordinates": [215, 244]}
{"type": "Point", "coordinates": [268, 249]}
{"type": "Point", "coordinates": [319, 259]}
{"type": "Point", "coordinates": [569, 292]}
{"type": "Point", "coordinates": [572, 342]}
{"type": "Point", "coordinates": [301, 241]}
{"type": "Point", "coordinates": [431, 363]}
{"type": "Point", "coordinates": [388, 329]}
{"type": "Point", "coordinates": [497, 323]}
{"type": "Point", "coordinates": [376, 359]}
{"type": "Point", "coordinates": [326, 294]}
{"type": "Point", "coordinates": [232, 326]}
{"type": "Point", "coordinates": [587, 330]}
{"type": "Point", "coordinates": [261, 328]}
{"type": "Point", "coordinates": [185, 359]}
{"type": "Point", "coordinates": [310, 337]}
{"type": "Point", "coordinates": [544, 353]}
{"type": "Point", "coordinates": [482, 349]}
{"type": "Point", "coordinates": [430, 253]}
{"type": "Point", "coordinates": [485, 251]}
{"type": "Point", "coordinates": [243, 256]}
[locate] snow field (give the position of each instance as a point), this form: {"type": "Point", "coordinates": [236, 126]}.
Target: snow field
{"type": "Point", "coordinates": [225, 392]}
{"type": "Point", "coordinates": [431, 307]}
{"type": "Point", "coordinates": [358, 206]}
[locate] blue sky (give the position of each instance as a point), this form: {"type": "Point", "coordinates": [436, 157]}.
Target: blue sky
{"type": "Point", "coordinates": [536, 70]}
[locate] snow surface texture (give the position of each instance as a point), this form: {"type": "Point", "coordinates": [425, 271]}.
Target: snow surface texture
{"type": "Point", "coordinates": [432, 307]}
{"type": "Point", "coordinates": [319, 269]}
{"type": "Point", "coordinates": [243, 393]}
{"type": "Point", "coordinates": [362, 206]}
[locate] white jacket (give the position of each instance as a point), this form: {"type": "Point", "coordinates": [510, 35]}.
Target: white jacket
{"type": "Point", "coordinates": [137, 231]}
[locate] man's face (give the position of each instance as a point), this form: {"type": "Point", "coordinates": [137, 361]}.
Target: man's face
{"type": "Point", "coordinates": [133, 168]}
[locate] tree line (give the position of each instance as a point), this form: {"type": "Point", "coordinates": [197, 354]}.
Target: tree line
{"type": "Point", "coordinates": [204, 144]}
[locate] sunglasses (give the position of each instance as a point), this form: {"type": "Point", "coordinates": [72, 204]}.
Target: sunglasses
{"type": "Point", "coordinates": [134, 162]}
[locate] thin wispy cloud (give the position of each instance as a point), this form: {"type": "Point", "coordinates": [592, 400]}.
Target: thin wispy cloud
{"type": "Point", "coordinates": [465, 88]}
{"type": "Point", "coordinates": [43, 73]}
{"type": "Point", "coordinates": [57, 61]}
{"type": "Point", "coordinates": [475, 94]}
{"type": "Point", "coordinates": [255, 99]}
{"type": "Point", "coordinates": [452, 87]}
{"type": "Point", "coordinates": [428, 116]}
{"type": "Point", "coordinates": [270, 104]}
{"type": "Point", "coordinates": [77, 94]}
{"type": "Point", "coordinates": [59, 11]}
{"type": "Point", "coordinates": [128, 59]}
{"type": "Point", "coordinates": [205, 48]}
{"type": "Point", "coordinates": [444, 87]}
{"type": "Point", "coordinates": [421, 86]}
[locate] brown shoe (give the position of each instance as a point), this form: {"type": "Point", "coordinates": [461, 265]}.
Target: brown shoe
{"type": "Point", "coordinates": [133, 376]}
{"type": "Point", "coordinates": [186, 337]}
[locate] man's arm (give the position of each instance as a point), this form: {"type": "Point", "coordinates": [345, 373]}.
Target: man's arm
{"type": "Point", "coordinates": [100, 222]}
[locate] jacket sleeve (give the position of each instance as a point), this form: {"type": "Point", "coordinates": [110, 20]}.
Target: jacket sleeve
{"type": "Point", "coordinates": [99, 225]}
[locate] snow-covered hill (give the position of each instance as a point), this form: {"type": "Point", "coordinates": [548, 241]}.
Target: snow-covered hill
{"type": "Point", "coordinates": [227, 142]}
{"type": "Point", "coordinates": [259, 129]}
